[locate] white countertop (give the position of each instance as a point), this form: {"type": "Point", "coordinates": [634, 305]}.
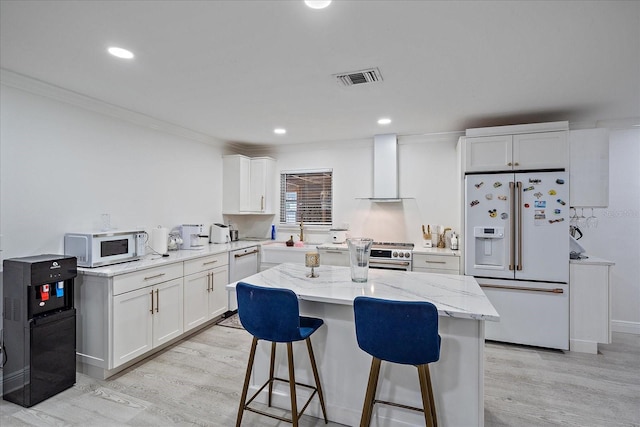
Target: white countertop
{"type": "Point", "coordinates": [591, 260]}
{"type": "Point", "coordinates": [453, 295]}
{"type": "Point", "coordinates": [416, 250]}
{"type": "Point", "coordinates": [435, 251]}
{"type": "Point", "coordinates": [152, 260]}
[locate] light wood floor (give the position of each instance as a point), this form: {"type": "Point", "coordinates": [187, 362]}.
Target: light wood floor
{"type": "Point", "coordinates": [198, 381]}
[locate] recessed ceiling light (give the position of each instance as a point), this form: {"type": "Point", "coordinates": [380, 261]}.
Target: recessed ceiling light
{"type": "Point", "coordinates": [120, 52]}
{"type": "Point", "coordinates": [384, 121]}
{"type": "Point", "coordinates": [279, 131]}
{"type": "Point", "coordinates": [317, 4]}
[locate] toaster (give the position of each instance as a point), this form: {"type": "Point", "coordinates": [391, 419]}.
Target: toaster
{"type": "Point", "coordinates": [219, 233]}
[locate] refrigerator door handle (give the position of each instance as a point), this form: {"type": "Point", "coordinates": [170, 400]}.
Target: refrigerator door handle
{"type": "Point", "coordinates": [519, 207]}
{"type": "Point", "coordinates": [512, 224]}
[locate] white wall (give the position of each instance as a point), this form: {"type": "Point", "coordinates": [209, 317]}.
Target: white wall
{"type": "Point", "coordinates": [62, 166]}
{"type": "Point", "coordinates": [617, 236]}
{"type": "Point", "coordinates": [427, 179]}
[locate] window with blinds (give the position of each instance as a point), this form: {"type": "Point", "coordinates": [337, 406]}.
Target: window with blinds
{"type": "Point", "coordinates": [306, 196]}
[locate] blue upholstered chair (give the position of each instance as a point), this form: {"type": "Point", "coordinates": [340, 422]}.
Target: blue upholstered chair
{"type": "Point", "coordinates": [272, 314]}
{"type": "Point", "coordinates": [404, 332]}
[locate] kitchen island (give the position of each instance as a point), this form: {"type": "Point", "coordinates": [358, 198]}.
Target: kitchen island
{"type": "Point", "coordinates": [458, 377]}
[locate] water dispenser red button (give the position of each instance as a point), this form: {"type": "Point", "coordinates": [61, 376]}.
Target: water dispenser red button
{"type": "Point", "coordinates": [44, 292]}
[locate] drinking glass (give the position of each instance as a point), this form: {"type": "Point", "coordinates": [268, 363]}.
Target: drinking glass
{"type": "Point", "coordinates": [359, 251]}
{"type": "Point", "coordinates": [592, 221]}
{"type": "Point", "coordinates": [573, 220]}
{"type": "Point", "coordinates": [582, 220]}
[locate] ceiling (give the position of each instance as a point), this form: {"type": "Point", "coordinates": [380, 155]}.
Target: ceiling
{"type": "Point", "coordinates": [235, 70]}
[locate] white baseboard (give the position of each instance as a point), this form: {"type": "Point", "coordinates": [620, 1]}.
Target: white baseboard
{"type": "Point", "coordinates": [625, 327]}
{"type": "Point", "coordinates": [581, 346]}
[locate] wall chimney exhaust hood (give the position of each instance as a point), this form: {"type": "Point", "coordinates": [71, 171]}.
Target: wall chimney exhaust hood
{"type": "Point", "coordinates": [385, 169]}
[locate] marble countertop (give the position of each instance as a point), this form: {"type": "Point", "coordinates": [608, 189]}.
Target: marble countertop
{"type": "Point", "coordinates": [153, 260]}
{"type": "Point", "coordinates": [416, 250]}
{"type": "Point", "coordinates": [453, 295]}
{"type": "Point", "coordinates": [435, 251]}
{"type": "Point", "coordinates": [591, 260]}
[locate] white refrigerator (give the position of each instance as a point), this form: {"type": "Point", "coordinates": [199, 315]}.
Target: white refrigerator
{"type": "Point", "coordinates": [517, 248]}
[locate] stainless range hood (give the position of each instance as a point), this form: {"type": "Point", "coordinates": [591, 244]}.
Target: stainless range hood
{"type": "Point", "coordinates": [385, 168]}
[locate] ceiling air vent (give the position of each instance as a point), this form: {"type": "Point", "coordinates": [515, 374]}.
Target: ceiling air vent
{"type": "Point", "coordinates": [371, 75]}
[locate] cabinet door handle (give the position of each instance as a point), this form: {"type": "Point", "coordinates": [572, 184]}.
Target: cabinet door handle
{"type": "Point", "coordinates": [334, 252]}
{"type": "Point", "coordinates": [519, 187]}
{"type": "Point", "coordinates": [516, 164]}
{"type": "Point", "coordinates": [154, 277]}
{"type": "Point", "coordinates": [245, 254]}
{"type": "Point", "coordinates": [157, 300]}
{"type": "Point", "coordinates": [151, 301]}
{"type": "Point", "coordinates": [509, 164]}
{"type": "Point", "coordinates": [435, 262]}
{"type": "Point", "coordinates": [210, 262]}
{"type": "Point", "coordinates": [262, 203]}
{"type": "Point", "coordinates": [209, 280]}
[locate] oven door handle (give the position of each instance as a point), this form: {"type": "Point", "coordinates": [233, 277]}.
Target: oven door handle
{"type": "Point", "coordinates": [402, 263]}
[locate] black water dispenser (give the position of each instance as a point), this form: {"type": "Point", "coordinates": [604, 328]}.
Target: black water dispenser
{"type": "Point", "coordinates": [39, 327]}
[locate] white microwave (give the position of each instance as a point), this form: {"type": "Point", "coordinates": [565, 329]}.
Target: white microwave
{"type": "Point", "coordinates": [101, 248]}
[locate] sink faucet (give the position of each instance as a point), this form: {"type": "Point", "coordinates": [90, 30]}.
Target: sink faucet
{"type": "Point", "coordinates": [301, 230]}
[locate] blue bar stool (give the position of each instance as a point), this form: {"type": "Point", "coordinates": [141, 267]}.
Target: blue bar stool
{"type": "Point", "coordinates": [272, 314]}
{"type": "Point", "coordinates": [404, 332]}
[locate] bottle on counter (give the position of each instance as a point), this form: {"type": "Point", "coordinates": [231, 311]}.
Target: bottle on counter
{"type": "Point", "coordinates": [273, 232]}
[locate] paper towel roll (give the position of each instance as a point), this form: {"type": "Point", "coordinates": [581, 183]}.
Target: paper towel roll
{"type": "Point", "coordinates": [159, 239]}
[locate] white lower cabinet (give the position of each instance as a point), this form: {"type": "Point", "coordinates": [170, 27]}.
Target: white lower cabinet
{"type": "Point", "coordinates": [334, 257]}
{"type": "Point", "coordinates": [123, 318]}
{"type": "Point", "coordinates": [156, 313]}
{"type": "Point", "coordinates": [590, 314]}
{"type": "Point", "coordinates": [205, 294]}
{"type": "Point", "coordinates": [436, 263]}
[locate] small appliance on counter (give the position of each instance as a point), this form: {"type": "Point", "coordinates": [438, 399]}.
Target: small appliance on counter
{"type": "Point", "coordinates": [174, 241]}
{"type": "Point", "coordinates": [233, 233]}
{"type": "Point", "coordinates": [219, 233]}
{"type": "Point", "coordinates": [159, 240]}
{"type": "Point", "coordinates": [576, 250]}
{"type": "Point", "coordinates": [191, 234]}
{"type": "Point", "coordinates": [100, 248]}
{"type": "Point", "coordinates": [338, 235]}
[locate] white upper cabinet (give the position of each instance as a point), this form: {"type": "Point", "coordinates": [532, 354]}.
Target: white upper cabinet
{"type": "Point", "coordinates": [489, 153]}
{"type": "Point", "coordinates": [589, 168]}
{"type": "Point", "coordinates": [248, 185]}
{"type": "Point", "coordinates": [544, 150]}
{"type": "Point", "coordinates": [527, 151]}
{"type": "Point", "coordinates": [262, 185]}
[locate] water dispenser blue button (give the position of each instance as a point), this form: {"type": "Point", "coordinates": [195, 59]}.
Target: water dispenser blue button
{"type": "Point", "coordinates": [60, 289]}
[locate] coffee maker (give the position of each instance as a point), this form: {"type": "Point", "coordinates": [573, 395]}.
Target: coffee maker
{"type": "Point", "coordinates": [191, 234]}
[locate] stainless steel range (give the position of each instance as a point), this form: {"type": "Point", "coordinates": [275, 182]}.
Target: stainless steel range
{"type": "Point", "coordinates": [391, 256]}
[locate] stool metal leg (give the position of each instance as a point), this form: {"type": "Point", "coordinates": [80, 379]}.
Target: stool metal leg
{"type": "Point", "coordinates": [292, 386]}
{"type": "Point", "coordinates": [431, 398]}
{"type": "Point", "coordinates": [428, 403]}
{"type": "Point", "coordinates": [271, 370]}
{"type": "Point", "coordinates": [245, 388]}
{"type": "Point", "coordinates": [317, 379]}
{"type": "Point", "coordinates": [370, 395]}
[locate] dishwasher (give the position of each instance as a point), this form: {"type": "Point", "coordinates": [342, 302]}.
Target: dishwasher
{"type": "Point", "coordinates": [242, 263]}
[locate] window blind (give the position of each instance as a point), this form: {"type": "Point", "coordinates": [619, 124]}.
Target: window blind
{"type": "Point", "coordinates": [306, 196]}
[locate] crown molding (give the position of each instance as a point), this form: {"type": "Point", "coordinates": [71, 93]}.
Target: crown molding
{"type": "Point", "coordinates": [39, 87]}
